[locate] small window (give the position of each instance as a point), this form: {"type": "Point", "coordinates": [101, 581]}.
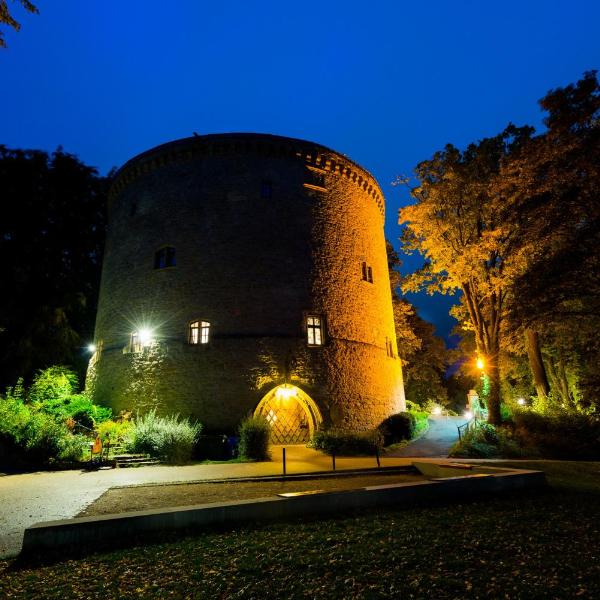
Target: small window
{"type": "Point", "coordinates": [134, 342]}
{"type": "Point", "coordinates": [389, 347]}
{"type": "Point", "coordinates": [314, 330]}
{"type": "Point", "coordinates": [367, 272]}
{"type": "Point", "coordinates": [165, 257]}
{"type": "Point", "coordinates": [266, 190]}
{"type": "Point", "coordinates": [199, 332]}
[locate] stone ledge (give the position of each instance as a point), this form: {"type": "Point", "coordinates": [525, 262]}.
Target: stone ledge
{"type": "Point", "coordinates": [105, 531]}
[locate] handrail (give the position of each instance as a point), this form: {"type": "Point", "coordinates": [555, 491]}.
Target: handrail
{"type": "Point", "coordinates": [472, 422]}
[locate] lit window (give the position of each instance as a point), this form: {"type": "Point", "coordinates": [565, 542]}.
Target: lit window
{"type": "Point", "coordinates": [199, 332]}
{"type": "Point", "coordinates": [165, 257]}
{"type": "Point", "coordinates": [266, 190]}
{"type": "Point", "coordinates": [314, 330]}
{"type": "Point", "coordinates": [140, 340]}
{"type": "Point", "coordinates": [134, 342]}
{"type": "Point", "coordinates": [367, 272]}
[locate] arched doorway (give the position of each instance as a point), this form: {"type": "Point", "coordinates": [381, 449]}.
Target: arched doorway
{"type": "Point", "coordinates": [291, 413]}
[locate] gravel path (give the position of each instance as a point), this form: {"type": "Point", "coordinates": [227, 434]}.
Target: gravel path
{"type": "Point", "coordinates": [117, 500]}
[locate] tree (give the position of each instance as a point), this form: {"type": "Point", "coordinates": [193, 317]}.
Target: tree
{"type": "Point", "coordinates": [453, 225]}
{"type": "Point", "coordinates": [7, 18]}
{"type": "Point", "coordinates": [548, 190]}
{"type": "Point", "coordinates": [50, 250]}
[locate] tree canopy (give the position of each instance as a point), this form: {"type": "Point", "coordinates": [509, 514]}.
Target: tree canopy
{"type": "Point", "coordinates": [51, 239]}
{"type": "Point", "coordinates": [7, 19]}
{"type": "Point", "coordinates": [512, 222]}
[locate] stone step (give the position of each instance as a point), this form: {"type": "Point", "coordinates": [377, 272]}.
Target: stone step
{"type": "Point", "coordinates": [140, 463]}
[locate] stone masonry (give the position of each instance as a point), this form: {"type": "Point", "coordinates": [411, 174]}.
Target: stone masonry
{"type": "Point", "coordinates": [267, 231]}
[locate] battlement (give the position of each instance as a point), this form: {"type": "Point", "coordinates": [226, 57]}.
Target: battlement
{"type": "Point", "coordinates": [314, 156]}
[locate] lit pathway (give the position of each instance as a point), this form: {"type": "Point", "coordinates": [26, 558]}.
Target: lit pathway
{"type": "Point", "coordinates": [46, 496]}
{"type": "Point", "coordinates": [436, 442]}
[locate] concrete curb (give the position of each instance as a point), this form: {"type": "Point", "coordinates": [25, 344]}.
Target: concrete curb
{"type": "Point", "coordinates": [95, 532]}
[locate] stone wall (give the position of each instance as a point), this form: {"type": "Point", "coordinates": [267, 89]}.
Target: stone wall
{"type": "Point", "coordinates": [253, 267]}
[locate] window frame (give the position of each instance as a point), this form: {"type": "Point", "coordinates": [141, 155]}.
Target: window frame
{"type": "Point", "coordinates": [314, 330]}
{"type": "Point", "coordinates": [198, 333]}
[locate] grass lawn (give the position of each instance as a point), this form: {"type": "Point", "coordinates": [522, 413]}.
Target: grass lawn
{"type": "Point", "coordinates": [535, 545]}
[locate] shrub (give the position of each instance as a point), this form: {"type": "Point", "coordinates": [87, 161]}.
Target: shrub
{"type": "Point", "coordinates": [560, 434]}
{"type": "Point", "coordinates": [53, 383]}
{"type": "Point", "coordinates": [29, 438]}
{"type": "Point", "coordinates": [254, 435]}
{"type": "Point", "coordinates": [117, 432]}
{"type": "Point", "coordinates": [350, 443]}
{"type": "Point", "coordinates": [170, 438]}
{"type": "Point", "coordinates": [77, 407]}
{"type": "Point", "coordinates": [403, 426]}
{"type": "Point", "coordinates": [486, 441]}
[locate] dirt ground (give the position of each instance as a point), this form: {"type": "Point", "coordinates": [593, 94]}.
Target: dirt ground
{"type": "Point", "coordinates": [118, 500]}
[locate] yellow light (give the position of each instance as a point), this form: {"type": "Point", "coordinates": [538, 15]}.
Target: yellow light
{"type": "Point", "coordinates": [521, 401]}
{"type": "Point", "coordinates": [437, 410]}
{"type": "Point", "coordinates": [285, 392]}
{"type": "Point", "coordinates": [91, 348]}
{"type": "Point", "coordinates": [480, 364]}
{"type": "Point", "coordinates": [468, 414]}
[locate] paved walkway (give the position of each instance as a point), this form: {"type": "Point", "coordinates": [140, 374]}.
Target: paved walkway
{"type": "Point", "coordinates": [436, 442]}
{"type": "Point", "coordinates": [47, 496]}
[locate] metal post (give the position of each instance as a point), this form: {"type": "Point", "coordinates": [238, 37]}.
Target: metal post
{"type": "Point", "coordinates": [333, 458]}
{"type": "Point", "coordinates": [283, 452]}
{"type": "Point", "coordinates": [377, 457]}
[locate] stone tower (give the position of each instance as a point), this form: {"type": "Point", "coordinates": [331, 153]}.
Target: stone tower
{"type": "Point", "coordinates": [247, 273]}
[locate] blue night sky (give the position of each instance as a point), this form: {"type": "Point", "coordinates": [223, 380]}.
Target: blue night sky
{"type": "Point", "coordinates": [387, 83]}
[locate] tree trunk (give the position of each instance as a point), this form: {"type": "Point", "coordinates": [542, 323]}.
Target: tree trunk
{"type": "Point", "coordinates": [536, 364]}
{"type": "Point", "coordinates": [493, 372]}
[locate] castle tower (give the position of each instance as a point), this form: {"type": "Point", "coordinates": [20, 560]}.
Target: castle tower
{"type": "Point", "coordinates": [247, 273]}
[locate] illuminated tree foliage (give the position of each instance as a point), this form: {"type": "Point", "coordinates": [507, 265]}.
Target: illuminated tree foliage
{"type": "Point", "coordinates": [7, 19]}
{"type": "Point", "coordinates": [549, 191]}
{"type": "Point", "coordinates": [454, 226]}
{"type": "Point", "coordinates": [51, 237]}
{"type": "Point", "coordinates": [513, 223]}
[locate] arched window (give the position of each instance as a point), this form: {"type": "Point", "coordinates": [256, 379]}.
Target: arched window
{"type": "Point", "coordinates": [199, 332]}
{"type": "Point", "coordinates": [164, 257]}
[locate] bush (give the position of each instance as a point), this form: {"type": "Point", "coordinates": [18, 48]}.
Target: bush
{"type": "Point", "coordinates": [561, 434]}
{"type": "Point", "coordinates": [403, 426]}
{"type": "Point", "coordinates": [350, 443]}
{"type": "Point", "coordinates": [170, 438]}
{"type": "Point", "coordinates": [29, 438]}
{"type": "Point", "coordinates": [116, 432]}
{"type": "Point", "coordinates": [486, 441]}
{"type": "Point", "coordinates": [77, 407]}
{"type": "Point", "coordinates": [254, 435]}
{"type": "Point", "coordinates": [53, 383]}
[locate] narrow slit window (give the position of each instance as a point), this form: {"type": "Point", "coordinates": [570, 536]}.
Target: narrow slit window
{"type": "Point", "coordinates": [364, 271]}
{"type": "Point", "coordinates": [367, 272]}
{"type": "Point", "coordinates": [314, 331]}
{"type": "Point", "coordinates": [164, 257]}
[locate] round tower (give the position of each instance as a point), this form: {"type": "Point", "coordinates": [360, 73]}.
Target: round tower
{"type": "Point", "coordinates": [247, 273]}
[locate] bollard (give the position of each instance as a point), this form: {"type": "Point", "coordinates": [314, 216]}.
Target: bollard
{"type": "Point", "coordinates": [377, 457]}
{"type": "Point", "coordinates": [333, 458]}
{"type": "Point", "coordinates": [283, 452]}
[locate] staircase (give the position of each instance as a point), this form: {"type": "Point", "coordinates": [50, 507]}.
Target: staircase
{"type": "Point", "coordinates": [123, 461]}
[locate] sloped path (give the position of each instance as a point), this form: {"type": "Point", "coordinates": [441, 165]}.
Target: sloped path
{"type": "Point", "coordinates": [436, 443]}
